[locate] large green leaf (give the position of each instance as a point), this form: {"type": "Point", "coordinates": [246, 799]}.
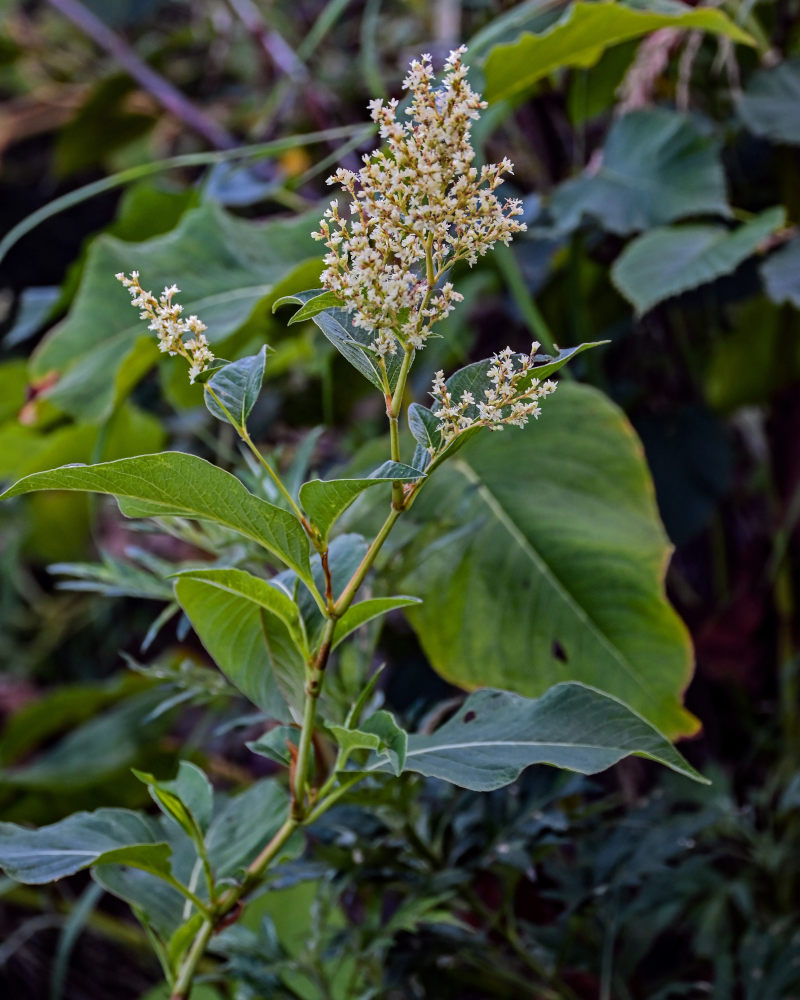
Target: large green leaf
{"type": "Point", "coordinates": [324, 500]}
{"type": "Point", "coordinates": [667, 261]}
{"type": "Point", "coordinates": [497, 734]}
{"type": "Point", "coordinates": [769, 104]}
{"type": "Point", "coordinates": [556, 569]}
{"type": "Point", "coordinates": [584, 32]}
{"type": "Point", "coordinates": [81, 840]}
{"type": "Point", "coordinates": [250, 629]}
{"type": "Point", "coordinates": [224, 267]}
{"type": "Point", "coordinates": [657, 167]}
{"type": "Point", "coordinates": [176, 484]}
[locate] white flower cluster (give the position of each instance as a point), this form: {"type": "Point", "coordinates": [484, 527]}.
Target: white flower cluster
{"type": "Point", "coordinates": [418, 206]}
{"type": "Point", "coordinates": [512, 398]}
{"type": "Point", "coordinates": [168, 325]}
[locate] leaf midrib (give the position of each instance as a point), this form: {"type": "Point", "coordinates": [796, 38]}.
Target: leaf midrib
{"type": "Point", "coordinates": [505, 519]}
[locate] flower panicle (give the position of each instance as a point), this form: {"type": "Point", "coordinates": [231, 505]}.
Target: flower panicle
{"type": "Point", "coordinates": [166, 321]}
{"type": "Point", "coordinates": [416, 207]}
{"type": "Point", "coordinates": [512, 397]}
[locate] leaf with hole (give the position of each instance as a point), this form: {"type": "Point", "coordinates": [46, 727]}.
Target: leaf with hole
{"type": "Point", "coordinates": [495, 735]}
{"type": "Point", "coordinates": [564, 554]}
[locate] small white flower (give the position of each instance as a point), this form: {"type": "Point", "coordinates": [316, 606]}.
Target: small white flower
{"type": "Point", "coordinates": [418, 206]}
{"type": "Point", "coordinates": [166, 322]}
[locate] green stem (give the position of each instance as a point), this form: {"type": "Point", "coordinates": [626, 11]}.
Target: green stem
{"type": "Point", "coordinates": [357, 578]}
{"type": "Point", "coordinates": [183, 984]}
{"type": "Point", "coordinates": [393, 412]}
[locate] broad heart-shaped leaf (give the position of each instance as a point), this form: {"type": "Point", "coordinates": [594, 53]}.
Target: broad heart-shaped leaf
{"type": "Point", "coordinates": [224, 267]}
{"type": "Point", "coordinates": [769, 104]}
{"type": "Point", "coordinates": [497, 734]}
{"type": "Point", "coordinates": [657, 167]}
{"type": "Point", "coordinates": [250, 629]}
{"type": "Point", "coordinates": [350, 341]}
{"type": "Point", "coordinates": [667, 261]}
{"type": "Point", "coordinates": [235, 387]}
{"type": "Point", "coordinates": [585, 31]}
{"type": "Point", "coordinates": [176, 484]}
{"type": "Point", "coordinates": [365, 611]}
{"type": "Point", "coordinates": [781, 273]}
{"type": "Point", "coordinates": [561, 574]}
{"type": "Point", "coordinates": [81, 840]}
{"type": "Point", "coordinates": [325, 500]}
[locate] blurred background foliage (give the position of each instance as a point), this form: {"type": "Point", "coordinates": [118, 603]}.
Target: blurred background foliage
{"type": "Point", "coordinates": [656, 148]}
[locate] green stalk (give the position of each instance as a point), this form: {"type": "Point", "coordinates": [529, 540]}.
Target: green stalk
{"type": "Point", "coordinates": [357, 578]}
{"type": "Point", "coordinates": [183, 984]}
{"type": "Point", "coordinates": [393, 413]}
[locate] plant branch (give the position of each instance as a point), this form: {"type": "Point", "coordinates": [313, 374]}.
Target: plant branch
{"type": "Point", "coordinates": [164, 92]}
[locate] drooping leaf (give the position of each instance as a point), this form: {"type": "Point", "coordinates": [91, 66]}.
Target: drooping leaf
{"type": "Point", "coordinates": [176, 484]}
{"type": "Point", "coordinates": [81, 840]}
{"type": "Point", "coordinates": [584, 32]}
{"type": "Point", "coordinates": [236, 618]}
{"type": "Point", "coordinates": [565, 556]}
{"type": "Point", "coordinates": [657, 167]}
{"type": "Point", "coordinates": [224, 267]}
{"type": "Point", "coordinates": [350, 341]}
{"type": "Point", "coordinates": [364, 611]}
{"type": "Point", "coordinates": [781, 274]}
{"type": "Point", "coordinates": [235, 387]}
{"type": "Point", "coordinates": [188, 798]}
{"type": "Point", "coordinates": [670, 260]}
{"type": "Point", "coordinates": [325, 500]}
{"type": "Point", "coordinates": [768, 106]}
{"type": "Point", "coordinates": [495, 735]}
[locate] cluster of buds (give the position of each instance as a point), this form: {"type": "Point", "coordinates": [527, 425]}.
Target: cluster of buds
{"type": "Point", "coordinates": [168, 325]}
{"type": "Point", "coordinates": [417, 207]}
{"type": "Point", "coordinates": [512, 397]}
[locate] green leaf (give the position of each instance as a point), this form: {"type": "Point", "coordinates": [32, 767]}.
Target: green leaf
{"type": "Point", "coordinates": [657, 166]}
{"type": "Point", "coordinates": [188, 798]}
{"type": "Point", "coordinates": [181, 485]}
{"type": "Point", "coordinates": [245, 825]}
{"type": "Point", "coordinates": [584, 32]}
{"type": "Point", "coordinates": [351, 342]}
{"type": "Point", "coordinates": [363, 612]}
{"type": "Point", "coordinates": [251, 631]}
{"type": "Point", "coordinates": [326, 500]}
{"type": "Point", "coordinates": [273, 744]}
{"type": "Point", "coordinates": [321, 301]}
{"type": "Point", "coordinates": [81, 840]}
{"type": "Point", "coordinates": [224, 267]}
{"type": "Point", "coordinates": [781, 274]}
{"type": "Point", "coordinates": [236, 387]}
{"type": "Point", "coordinates": [768, 106]}
{"type": "Point", "coordinates": [393, 738]}
{"type": "Point", "coordinates": [561, 549]}
{"type": "Point", "coordinates": [424, 426]}
{"type": "Point", "coordinates": [665, 262]}
{"type": "Point", "coordinates": [497, 734]}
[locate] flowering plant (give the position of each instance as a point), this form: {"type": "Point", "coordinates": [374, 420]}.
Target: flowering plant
{"type": "Point", "coordinates": [417, 208]}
